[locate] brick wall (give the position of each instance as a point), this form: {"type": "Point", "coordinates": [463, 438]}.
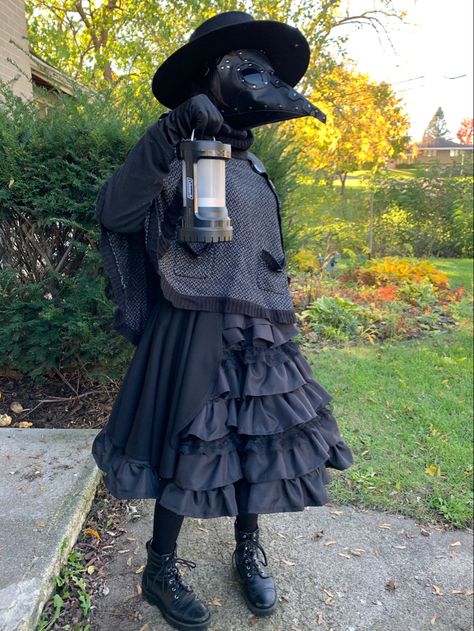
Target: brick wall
{"type": "Point", "coordinates": [13, 27]}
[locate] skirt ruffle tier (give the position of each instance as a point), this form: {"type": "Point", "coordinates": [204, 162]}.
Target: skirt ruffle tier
{"type": "Point", "coordinates": [264, 439]}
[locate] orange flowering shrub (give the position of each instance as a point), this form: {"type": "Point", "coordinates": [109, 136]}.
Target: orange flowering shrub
{"type": "Point", "coordinates": [387, 293]}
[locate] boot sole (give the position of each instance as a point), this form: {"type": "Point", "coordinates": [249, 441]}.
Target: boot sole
{"type": "Point", "coordinates": [177, 624]}
{"type": "Point", "coordinates": [257, 611]}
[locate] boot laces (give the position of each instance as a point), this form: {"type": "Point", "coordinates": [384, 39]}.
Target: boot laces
{"type": "Point", "coordinates": [249, 548]}
{"type": "Point", "coordinates": [171, 574]}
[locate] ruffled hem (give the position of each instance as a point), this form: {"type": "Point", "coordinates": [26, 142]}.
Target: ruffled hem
{"type": "Point", "coordinates": [282, 371]}
{"type": "Point", "coordinates": [257, 415]}
{"type": "Point", "coordinates": [125, 477]}
{"type": "Point", "coordinates": [277, 496]}
{"type": "Point", "coordinates": [203, 466]}
{"type": "Point", "coordinates": [240, 329]}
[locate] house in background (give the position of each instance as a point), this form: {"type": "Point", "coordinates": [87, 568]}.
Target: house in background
{"type": "Point", "coordinates": [442, 151]}
{"type": "Point", "coordinates": [25, 72]}
{"type": "Point", "coordinates": [14, 57]}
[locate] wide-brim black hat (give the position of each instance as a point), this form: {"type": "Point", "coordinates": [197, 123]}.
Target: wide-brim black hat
{"type": "Point", "coordinates": [285, 46]}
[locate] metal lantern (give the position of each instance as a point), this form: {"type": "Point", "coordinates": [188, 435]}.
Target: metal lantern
{"type": "Point", "coordinates": [205, 216]}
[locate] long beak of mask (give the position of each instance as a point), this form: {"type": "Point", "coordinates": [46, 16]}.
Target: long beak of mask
{"type": "Point", "coordinates": [251, 94]}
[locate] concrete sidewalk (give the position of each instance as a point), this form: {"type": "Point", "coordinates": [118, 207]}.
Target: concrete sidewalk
{"type": "Point", "coordinates": [343, 569]}
{"type": "Point", "coordinates": [47, 482]}
{"type": "Point", "coordinates": [336, 568]}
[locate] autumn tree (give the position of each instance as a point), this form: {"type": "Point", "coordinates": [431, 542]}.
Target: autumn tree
{"type": "Point", "coordinates": [366, 125]}
{"type": "Point", "coordinates": [437, 127]}
{"type": "Point", "coordinates": [465, 132]}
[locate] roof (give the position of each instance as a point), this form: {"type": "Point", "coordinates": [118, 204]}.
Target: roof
{"type": "Point", "coordinates": [442, 143]}
{"type": "Point", "coordinates": [47, 75]}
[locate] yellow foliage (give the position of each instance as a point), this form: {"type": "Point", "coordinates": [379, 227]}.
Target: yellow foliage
{"type": "Point", "coordinates": [394, 269]}
{"type": "Point", "coordinates": [305, 260]}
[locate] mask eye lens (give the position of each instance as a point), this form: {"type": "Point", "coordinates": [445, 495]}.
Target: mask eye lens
{"type": "Point", "coordinates": [253, 77]}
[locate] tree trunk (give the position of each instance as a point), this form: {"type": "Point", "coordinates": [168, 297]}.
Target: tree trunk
{"type": "Point", "coordinates": [342, 177]}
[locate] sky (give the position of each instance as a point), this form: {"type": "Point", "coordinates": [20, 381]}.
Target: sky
{"type": "Point", "coordinates": [434, 42]}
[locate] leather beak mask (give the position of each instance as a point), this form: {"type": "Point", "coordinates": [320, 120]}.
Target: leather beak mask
{"type": "Point", "coordinates": [253, 95]}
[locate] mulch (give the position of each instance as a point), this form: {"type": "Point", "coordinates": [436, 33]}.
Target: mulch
{"type": "Point", "coordinates": [71, 401]}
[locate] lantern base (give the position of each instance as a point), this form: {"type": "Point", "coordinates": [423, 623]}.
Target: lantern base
{"type": "Point", "coordinates": [207, 235]}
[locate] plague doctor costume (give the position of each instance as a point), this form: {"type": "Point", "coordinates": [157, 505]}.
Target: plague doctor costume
{"type": "Point", "coordinates": [219, 413]}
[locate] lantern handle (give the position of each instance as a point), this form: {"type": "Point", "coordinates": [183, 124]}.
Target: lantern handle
{"type": "Point", "coordinates": [192, 135]}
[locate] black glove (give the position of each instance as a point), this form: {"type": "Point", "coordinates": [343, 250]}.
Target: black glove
{"type": "Point", "coordinates": [198, 113]}
{"type": "Point", "coordinates": [126, 196]}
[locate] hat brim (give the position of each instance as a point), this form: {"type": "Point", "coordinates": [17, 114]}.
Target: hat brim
{"type": "Point", "coordinates": [285, 46]}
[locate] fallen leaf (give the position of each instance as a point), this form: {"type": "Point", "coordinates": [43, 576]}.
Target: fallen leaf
{"type": "Point", "coordinates": [123, 551]}
{"type": "Point", "coordinates": [5, 420]}
{"type": "Point", "coordinates": [330, 543]}
{"type": "Point", "coordinates": [319, 619]}
{"type": "Point", "coordinates": [399, 547]}
{"type": "Point", "coordinates": [92, 532]}
{"type": "Point", "coordinates": [344, 554]}
{"type": "Point", "coordinates": [216, 601]}
{"type": "Point", "coordinates": [140, 569]}
{"type": "Point", "coordinates": [16, 406]}
{"type": "Point", "coordinates": [131, 538]}
{"type": "Point", "coordinates": [356, 552]}
{"type": "Point", "coordinates": [129, 561]}
{"type": "Point", "coordinates": [145, 627]}
{"type": "Point", "coordinates": [437, 590]}
{"type": "Point", "coordinates": [285, 598]}
{"type": "Point", "coordinates": [282, 535]}
{"type": "Point", "coordinates": [462, 592]}
{"type": "Point", "coordinates": [336, 512]}
{"type": "Point", "coordinates": [424, 532]}
{"type": "Point", "coordinates": [138, 587]}
{"type": "Point", "coordinates": [90, 569]}
{"type": "Point", "coordinates": [433, 619]}
{"type": "Point", "coordinates": [385, 526]}
{"type": "Point", "coordinates": [39, 523]}
{"type": "Point", "coordinates": [25, 424]}
{"type": "Point", "coordinates": [390, 585]}
{"type": "Point", "coordinates": [456, 543]}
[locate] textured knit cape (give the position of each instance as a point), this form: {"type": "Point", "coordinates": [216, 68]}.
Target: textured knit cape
{"type": "Point", "coordinates": [246, 275]}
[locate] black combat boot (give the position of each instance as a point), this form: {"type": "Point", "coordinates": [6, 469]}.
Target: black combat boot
{"type": "Point", "coordinates": [257, 583]}
{"type": "Point", "coordinates": [163, 587]}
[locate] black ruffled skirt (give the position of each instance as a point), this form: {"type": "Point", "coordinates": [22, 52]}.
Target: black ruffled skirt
{"type": "Point", "coordinates": [219, 414]}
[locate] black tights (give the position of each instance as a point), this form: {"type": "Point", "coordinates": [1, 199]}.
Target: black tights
{"type": "Point", "coordinates": [166, 527]}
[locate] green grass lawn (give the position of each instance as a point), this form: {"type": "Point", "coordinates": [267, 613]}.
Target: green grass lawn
{"type": "Point", "coordinates": [405, 409]}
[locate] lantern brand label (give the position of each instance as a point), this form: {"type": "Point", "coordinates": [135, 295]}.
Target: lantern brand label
{"type": "Point", "coordinates": [189, 188]}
